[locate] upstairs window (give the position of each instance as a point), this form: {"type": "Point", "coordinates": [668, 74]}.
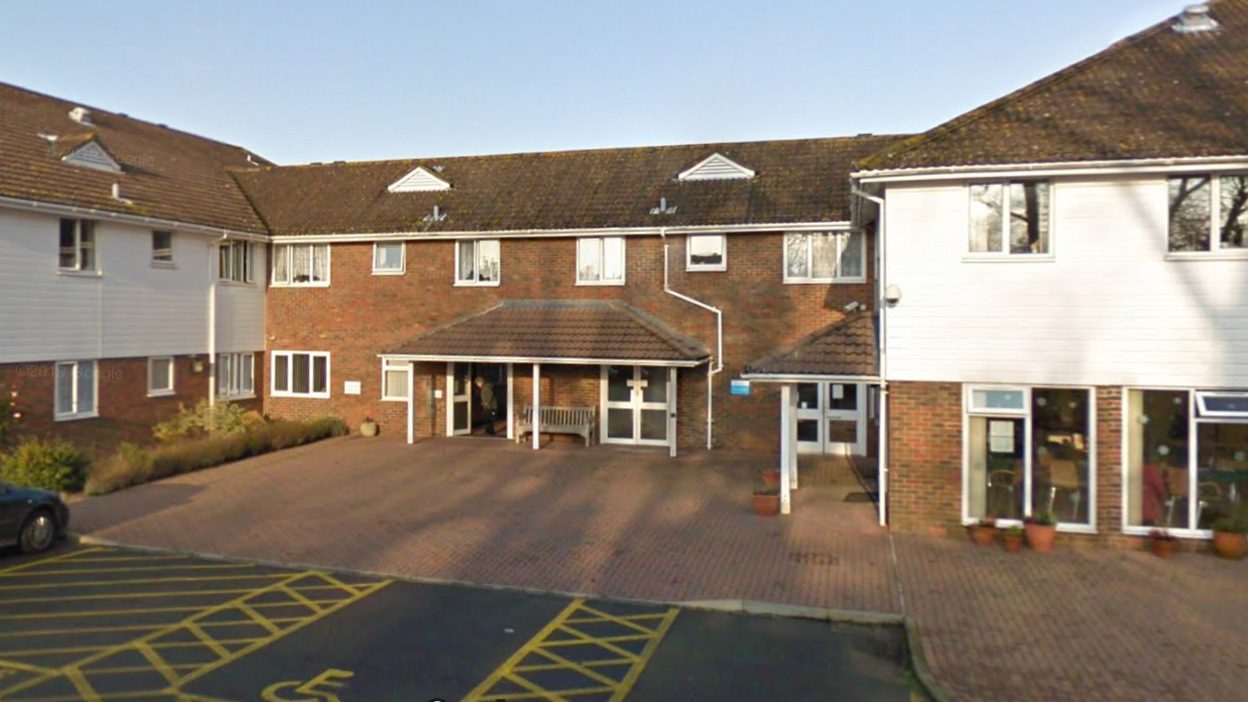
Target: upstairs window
{"type": "Point", "coordinates": [1010, 218]}
{"type": "Point", "coordinates": [600, 260]}
{"type": "Point", "coordinates": [235, 261]}
{"type": "Point", "coordinates": [823, 257]}
{"type": "Point", "coordinates": [1202, 205]}
{"type": "Point", "coordinates": [301, 265]}
{"type": "Point", "coordinates": [162, 248]}
{"type": "Point", "coordinates": [477, 262]}
{"type": "Point", "coordinates": [707, 252]}
{"type": "Point", "coordinates": [388, 258]}
{"type": "Point", "coordinates": [77, 252]}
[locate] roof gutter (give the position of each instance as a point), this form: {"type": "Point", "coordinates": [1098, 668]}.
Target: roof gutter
{"type": "Point", "coordinates": [1060, 168]}
{"type": "Point", "coordinates": [715, 368]}
{"type": "Point", "coordinates": [52, 208]}
{"type": "Point", "coordinates": [442, 358]}
{"type": "Point", "coordinates": [809, 378]}
{"type": "Point", "coordinates": [563, 233]}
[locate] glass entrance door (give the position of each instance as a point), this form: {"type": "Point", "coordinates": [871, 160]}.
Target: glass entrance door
{"type": "Point", "coordinates": [831, 418]}
{"type": "Point", "coordinates": [459, 388]}
{"type": "Point", "coordinates": [636, 402]}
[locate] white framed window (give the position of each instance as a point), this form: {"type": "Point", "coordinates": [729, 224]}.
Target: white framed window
{"type": "Point", "coordinates": [301, 265]}
{"type": "Point", "coordinates": [236, 376]}
{"type": "Point", "coordinates": [600, 260]}
{"type": "Point", "coordinates": [1208, 213]}
{"type": "Point", "coordinates": [1010, 218]}
{"type": "Point", "coordinates": [162, 249]}
{"type": "Point", "coordinates": [300, 374]}
{"type": "Point", "coordinates": [77, 250]}
{"type": "Point", "coordinates": [388, 258]}
{"type": "Point", "coordinates": [235, 261]}
{"type": "Point", "coordinates": [1030, 451]}
{"type": "Point", "coordinates": [824, 257]}
{"type": "Point", "coordinates": [478, 262]}
{"type": "Point", "coordinates": [76, 390]}
{"type": "Point", "coordinates": [394, 379]}
{"type": "Point", "coordinates": [706, 252]}
{"type": "Point", "coordinates": [160, 372]}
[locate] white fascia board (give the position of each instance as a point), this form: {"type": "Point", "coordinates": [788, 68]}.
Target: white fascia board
{"type": "Point", "coordinates": [531, 359]}
{"type": "Point", "coordinates": [153, 222]}
{"type": "Point", "coordinates": [812, 378]}
{"type": "Point", "coordinates": [564, 233]}
{"type": "Point", "coordinates": [1052, 170]}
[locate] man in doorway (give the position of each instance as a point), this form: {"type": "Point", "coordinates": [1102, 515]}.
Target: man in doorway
{"type": "Point", "coordinates": [489, 403]}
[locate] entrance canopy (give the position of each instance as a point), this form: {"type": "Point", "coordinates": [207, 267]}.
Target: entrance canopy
{"type": "Point", "coordinates": [844, 351]}
{"type": "Point", "coordinates": [575, 332]}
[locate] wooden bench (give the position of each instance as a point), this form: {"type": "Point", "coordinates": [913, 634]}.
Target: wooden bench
{"type": "Point", "coordinates": [582, 421]}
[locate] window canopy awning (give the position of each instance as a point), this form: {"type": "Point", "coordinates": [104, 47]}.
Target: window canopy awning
{"type": "Point", "coordinates": [572, 332]}
{"type": "Point", "coordinates": [844, 350]}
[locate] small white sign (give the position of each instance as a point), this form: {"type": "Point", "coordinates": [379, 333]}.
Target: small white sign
{"type": "Point", "coordinates": [351, 387]}
{"type": "Point", "coordinates": [838, 392]}
{"type": "Point", "coordinates": [1001, 437]}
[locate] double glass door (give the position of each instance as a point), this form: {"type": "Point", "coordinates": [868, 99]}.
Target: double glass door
{"type": "Point", "coordinates": [831, 418]}
{"type": "Point", "coordinates": [468, 414]}
{"type": "Point", "coordinates": [637, 404]}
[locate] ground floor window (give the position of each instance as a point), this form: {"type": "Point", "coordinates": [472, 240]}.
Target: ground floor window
{"type": "Point", "coordinates": [1029, 451]}
{"type": "Point", "coordinates": [75, 390]}
{"type": "Point", "coordinates": [236, 375]}
{"type": "Point", "coordinates": [394, 379]}
{"type": "Point", "coordinates": [1187, 457]}
{"type": "Point", "coordinates": [159, 376]}
{"type": "Point", "coordinates": [300, 374]}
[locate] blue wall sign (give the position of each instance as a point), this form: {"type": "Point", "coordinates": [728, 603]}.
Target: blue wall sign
{"type": "Point", "coordinates": [740, 387]}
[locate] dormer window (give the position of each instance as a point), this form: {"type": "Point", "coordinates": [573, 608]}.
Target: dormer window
{"type": "Point", "coordinates": [1010, 218]}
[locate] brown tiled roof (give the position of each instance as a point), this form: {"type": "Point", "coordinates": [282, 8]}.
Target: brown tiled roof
{"type": "Point", "coordinates": [845, 347]}
{"type": "Point", "coordinates": [591, 330]}
{"type": "Point", "coordinates": [167, 174]}
{"type": "Point", "coordinates": [795, 181]}
{"type": "Point", "coordinates": [1157, 94]}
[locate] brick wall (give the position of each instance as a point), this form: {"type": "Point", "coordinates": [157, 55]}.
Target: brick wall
{"type": "Point", "coordinates": [359, 315]}
{"type": "Point", "coordinates": [925, 457]}
{"type": "Point", "coordinates": [126, 413]}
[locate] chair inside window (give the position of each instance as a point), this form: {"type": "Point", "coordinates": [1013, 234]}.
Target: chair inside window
{"type": "Point", "coordinates": [1064, 475]}
{"type": "Point", "coordinates": [1177, 485]}
{"type": "Point", "coordinates": [1003, 480]}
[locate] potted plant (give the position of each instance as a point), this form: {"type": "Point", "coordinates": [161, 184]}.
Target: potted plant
{"type": "Point", "coordinates": [771, 477]}
{"type": "Point", "coordinates": [766, 501]}
{"type": "Point", "coordinates": [1163, 543]}
{"type": "Point", "coordinates": [1041, 529]}
{"type": "Point", "coordinates": [984, 532]}
{"type": "Point", "coordinates": [1013, 538]}
{"type": "Point", "coordinates": [368, 427]}
{"type": "Point", "coordinates": [1230, 537]}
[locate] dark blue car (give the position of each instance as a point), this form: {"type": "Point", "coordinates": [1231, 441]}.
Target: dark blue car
{"type": "Point", "coordinates": [31, 519]}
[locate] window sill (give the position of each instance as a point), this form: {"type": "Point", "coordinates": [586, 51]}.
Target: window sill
{"type": "Point", "coordinates": [161, 393]}
{"type": "Point", "coordinates": [75, 417]}
{"type": "Point", "coordinates": [1226, 255]}
{"type": "Point", "coordinates": [394, 399]}
{"type": "Point", "coordinates": [600, 283]}
{"type": "Point", "coordinates": [234, 398]}
{"type": "Point", "coordinates": [388, 272]}
{"type": "Point", "coordinates": [1062, 527]}
{"type": "Point", "coordinates": [465, 284]}
{"type": "Point", "coordinates": [824, 281]}
{"type": "Point", "coordinates": [300, 285]}
{"type": "Point", "coordinates": [79, 274]}
{"type": "Point", "coordinates": [167, 265]}
{"type": "Point", "coordinates": [302, 396]}
{"type": "Point", "coordinates": [235, 283]}
{"type": "Point", "coordinates": [1008, 258]}
{"type": "Point", "coordinates": [706, 269]}
{"type": "Point", "coordinates": [1201, 534]}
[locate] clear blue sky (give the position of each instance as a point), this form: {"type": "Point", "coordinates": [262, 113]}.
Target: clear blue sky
{"type": "Point", "coordinates": [324, 80]}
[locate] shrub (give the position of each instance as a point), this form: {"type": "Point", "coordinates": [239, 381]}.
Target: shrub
{"type": "Point", "coordinates": [50, 465]}
{"type": "Point", "coordinates": [131, 465]}
{"type": "Point", "coordinates": [206, 420]}
{"type": "Point", "coordinates": [9, 415]}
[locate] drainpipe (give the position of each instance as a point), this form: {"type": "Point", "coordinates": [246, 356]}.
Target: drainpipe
{"type": "Point", "coordinates": [213, 254]}
{"type": "Point", "coordinates": [712, 369]}
{"type": "Point", "coordinates": [882, 304]}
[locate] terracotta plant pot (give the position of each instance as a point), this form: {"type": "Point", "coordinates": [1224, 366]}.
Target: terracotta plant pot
{"type": "Point", "coordinates": [1013, 542]}
{"type": "Point", "coordinates": [1164, 548]}
{"type": "Point", "coordinates": [1040, 537]}
{"type": "Point", "coordinates": [983, 535]}
{"type": "Point", "coordinates": [1230, 545]}
{"type": "Point", "coordinates": [368, 429]}
{"type": "Point", "coordinates": [771, 478]}
{"type": "Point", "coordinates": [766, 505]}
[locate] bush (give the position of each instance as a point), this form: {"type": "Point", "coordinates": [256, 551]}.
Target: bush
{"type": "Point", "coordinates": [206, 420]}
{"type": "Point", "coordinates": [50, 465]}
{"type": "Point", "coordinates": [133, 466]}
{"type": "Point", "coordinates": [9, 416]}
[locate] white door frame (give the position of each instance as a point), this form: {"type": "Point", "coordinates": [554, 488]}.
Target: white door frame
{"type": "Point", "coordinates": [452, 399]}
{"type": "Point", "coordinates": [821, 414]}
{"type": "Point", "coordinates": [636, 404]}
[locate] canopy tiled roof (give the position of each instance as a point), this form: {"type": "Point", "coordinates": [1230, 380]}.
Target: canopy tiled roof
{"type": "Point", "coordinates": [845, 347]}
{"type": "Point", "coordinates": [796, 181]}
{"type": "Point", "coordinates": [580, 330]}
{"type": "Point", "coordinates": [166, 174]}
{"type": "Point", "coordinates": [1157, 94]}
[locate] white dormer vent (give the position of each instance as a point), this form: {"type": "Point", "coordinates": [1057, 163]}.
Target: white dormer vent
{"type": "Point", "coordinates": [418, 181]}
{"type": "Point", "coordinates": [117, 195]}
{"type": "Point", "coordinates": [81, 115]}
{"type": "Point", "coordinates": [437, 216]}
{"type": "Point", "coordinates": [663, 208]}
{"type": "Point", "coordinates": [1195, 18]}
{"type": "Point", "coordinates": [92, 155]}
{"type": "Point", "coordinates": [717, 167]}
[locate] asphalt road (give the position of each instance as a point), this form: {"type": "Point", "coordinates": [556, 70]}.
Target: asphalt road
{"type": "Point", "coordinates": [97, 624]}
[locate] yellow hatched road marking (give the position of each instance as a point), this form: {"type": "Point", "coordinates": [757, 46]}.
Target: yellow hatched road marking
{"type": "Point", "coordinates": [138, 627]}
{"type": "Point", "coordinates": [513, 670]}
{"type": "Point", "coordinates": [54, 559]}
{"type": "Point", "coordinates": [94, 571]}
{"type": "Point", "coordinates": [143, 595]}
{"type": "Point", "coordinates": [142, 581]}
{"type": "Point", "coordinates": [121, 559]}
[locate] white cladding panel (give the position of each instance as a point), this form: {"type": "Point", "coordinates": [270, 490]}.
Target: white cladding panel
{"type": "Point", "coordinates": [131, 309]}
{"type": "Point", "coordinates": [240, 310]}
{"type": "Point", "coordinates": [1107, 308]}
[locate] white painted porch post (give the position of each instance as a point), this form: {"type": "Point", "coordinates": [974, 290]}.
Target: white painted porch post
{"type": "Point", "coordinates": [537, 406]}
{"type": "Point", "coordinates": [411, 403]}
{"type": "Point", "coordinates": [792, 467]}
{"type": "Point", "coordinates": [511, 403]}
{"type": "Point", "coordinates": [787, 444]}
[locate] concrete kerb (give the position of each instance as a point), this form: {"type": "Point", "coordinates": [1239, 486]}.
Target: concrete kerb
{"type": "Point", "coordinates": [913, 652]}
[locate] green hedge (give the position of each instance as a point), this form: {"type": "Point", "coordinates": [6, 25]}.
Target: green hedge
{"type": "Point", "coordinates": [132, 465]}
{"type": "Point", "coordinates": [50, 465]}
